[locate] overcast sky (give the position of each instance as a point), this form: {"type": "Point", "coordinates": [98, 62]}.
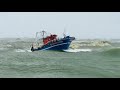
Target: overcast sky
{"type": "Point", "coordinates": [78, 24]}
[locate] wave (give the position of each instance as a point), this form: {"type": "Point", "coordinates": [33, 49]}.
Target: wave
{"type": "Point", "coordinates": [112, 52]}
{"type": "Point", "coordinates": [93, 43]}
{"type": "Point", "coordinates": [78, 50]}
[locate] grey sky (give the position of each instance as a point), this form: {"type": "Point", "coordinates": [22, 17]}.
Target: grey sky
{"type": "Point", "coordinates": [78, 24]}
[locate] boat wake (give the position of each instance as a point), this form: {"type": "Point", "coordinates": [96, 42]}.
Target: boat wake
{"type": "Point", "coordinates": [78, 50]}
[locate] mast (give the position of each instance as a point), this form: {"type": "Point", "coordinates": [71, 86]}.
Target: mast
{"type": "Point", "coordinates": [43, 33]}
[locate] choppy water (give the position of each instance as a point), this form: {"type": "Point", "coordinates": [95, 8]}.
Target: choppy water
{"type": "Point", "coordinates": [16, 60]}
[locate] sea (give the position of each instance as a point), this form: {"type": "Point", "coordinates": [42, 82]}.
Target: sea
{"type": "Point", "coordinates": [17, 60]}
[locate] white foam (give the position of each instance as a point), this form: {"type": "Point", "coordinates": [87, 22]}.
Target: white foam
{"type": "Point", "coordinates": [78, 50]}
{"type": "Point", "coordinates": [22, 50]}
{"type": "Point", "coordinates": [19, 50]}
{"type": "Point", "coordinates": [29, 51]}
{"type": "Point", "coordinates": [8, 45]}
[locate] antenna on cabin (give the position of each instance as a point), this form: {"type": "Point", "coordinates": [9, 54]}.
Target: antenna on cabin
{"type": "Point", "coordinates": [64, 33]}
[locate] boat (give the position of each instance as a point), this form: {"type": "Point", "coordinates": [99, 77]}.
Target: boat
{"type": "Point", "coordinates": [51, 42]}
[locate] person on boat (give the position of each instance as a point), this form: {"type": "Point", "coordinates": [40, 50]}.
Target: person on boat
{"type": "Point", "coordinates": [32, 49]}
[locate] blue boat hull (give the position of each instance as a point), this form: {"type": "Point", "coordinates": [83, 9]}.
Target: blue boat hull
{"type": "Point", "coordinates": [59, 45]}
